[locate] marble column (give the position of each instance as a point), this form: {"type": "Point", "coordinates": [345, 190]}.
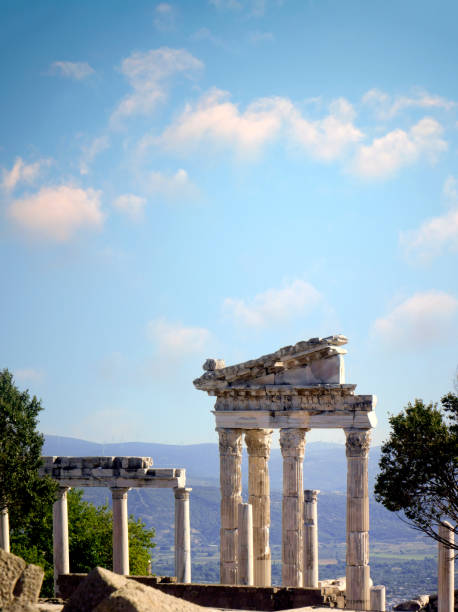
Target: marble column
{"type": "Point", "coordinates": [61, 554]}
{"type": "Point", "coordinates": [5, 530]}
{"type": "Point", "coordinates": [258, 445]}
{"type": "Point", "coordinates": [378, 596]}
{"type": "Point", "coordinates": [120, 531]}
{"type": "Point", "coordinates": [310, 538]}
{"type": "Point", "coordinates": [230, 456]}
{"type": "Point", "coordinates": [446, 573]}
{"type": "Point", "coordinates": [292, 443]}
{"type": "Point", "coordinates": [358, 570]}
{"type": "Point", "coordinates": [182, 535]}
{"type": "Point", "coordinates": [245, 544]}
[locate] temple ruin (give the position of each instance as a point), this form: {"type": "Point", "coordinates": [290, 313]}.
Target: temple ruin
{"type": "Point", "coordinates": [119, 474]}
{"type": "Point", "coordinates": [294, 389]}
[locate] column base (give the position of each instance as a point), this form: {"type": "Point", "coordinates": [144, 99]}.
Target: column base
{"type": "Point", "coordinates": [228, 573]}
{"type": "Point", "coordinates": [358, 587]}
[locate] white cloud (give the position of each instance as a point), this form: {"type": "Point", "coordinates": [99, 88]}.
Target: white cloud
{"type": "Point", "coordinates": [438, 234]}
{"type": "Point", "coordinates": [254, 8]}
{"type": "Point", "coordinates": [91, 151]}
{"type": "Point", "coordinates": [420, 321]}
{"type": "Point", "coordinates": [24, 375]}
{"type": "Point", "coordinates": [386, 107]}
{"type": "Point", "coordinates": [450, 190]}
{"type": "Point", "coordinates": [257, 37]}
{"type": "Point", "coordinates": [206, 34]}
{"type": "Point", "coordinates": [433, 236]}
{"type": "Point", "coordinates": [328, 138]}
{"type": "Point", "coordinates": [22, 173]}
{"type": "Point", "coordinates": [219, 121]}
{"type": "Point", "coordinates": [131, 205]}
{"type": "Point", "coordinates": [226, 4]}
{"type": "Point", "coordinates": [147, 74]}
{"type": "Point", "coordinates": [274, 305]}
{"type": "Point", "coordinates": [73, 70]}
{"type": "Point", "coordinates": [173, 187]}
{"type": "Point", "coordinates": [56, 213]}
{"type": "Point", "coordinates": [216, 120]}
{"type": "Point", "coordinates": [398, 148]}
{"type": "Point", "coordinates": [175, 340]}
{"type": "Point", "coordinates": [164, 18]}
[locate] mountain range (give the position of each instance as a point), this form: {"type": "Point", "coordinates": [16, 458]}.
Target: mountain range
{"type": "Point", "coordinates": [325, 464]}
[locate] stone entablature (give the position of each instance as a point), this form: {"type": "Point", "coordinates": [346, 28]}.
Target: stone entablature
{"type": "Point", "coordinates": [307, 362]}
{"type": "Point", "coordinates": [122, 472]}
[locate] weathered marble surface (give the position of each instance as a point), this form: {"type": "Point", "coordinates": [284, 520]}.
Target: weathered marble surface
{"type": "Point", "coordinates": [446, 573]}
{"type": "Point", "coordinates": [294, 389]}
{"type": "Point", "coordinates": [300, 360]}
{"type": "Point", "coordinates": [300, 386]}
{"type": "Point", "coordinates": [20, 583]}
{"type": "Point", "coordinates": [258, 443]}
{"type": "Point", "coordinates": [123, 472]}
{"type": "Point", "coordinates": [310, 538]}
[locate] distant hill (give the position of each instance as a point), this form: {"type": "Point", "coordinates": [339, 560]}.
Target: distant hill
{"type": "Point", "coordinates": [325, 464]}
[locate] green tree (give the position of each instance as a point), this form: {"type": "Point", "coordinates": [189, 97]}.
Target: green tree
{"type": "Point", "coordinates": [21, 489]}
{"type": "Point", "coordinates": [90, 539]}
{"type": "Point", "coordinates": [419, 466]}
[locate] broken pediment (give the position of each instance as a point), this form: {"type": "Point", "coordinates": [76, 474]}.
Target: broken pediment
{"type": "Point", "coordinates": [309, 362]}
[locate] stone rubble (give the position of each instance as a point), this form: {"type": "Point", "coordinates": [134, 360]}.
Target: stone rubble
{"type": "Point", "coordinates": [104, 591]}
{"type": "Point", "coordinates": [20, 583]}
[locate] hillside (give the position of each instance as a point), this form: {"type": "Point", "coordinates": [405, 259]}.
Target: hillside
{"type": "Point", "coordinates": [325, 463]}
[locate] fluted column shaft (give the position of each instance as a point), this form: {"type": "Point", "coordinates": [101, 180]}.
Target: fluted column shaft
{"type": "Point", "coordinates": [5, 530]}
{"type": "Point", "coordinates": [310, 538]}
{"type": "Point", "coordinates": [182, 535]}
{"type": "Point", "coordinates": [358, 571]}
{"type": "Point", "coordinates": [292, 443]}
{"type": "Point", "coordinates": [230, 455]}
{"type": "Point", "coordinates": [120, 531]}
{"type": "Point", "coordinates": [245, 544]}
{"type": "Point", "coordinates": [61, 554]}
{"type": "Point", "coordinates": [258, 445]}
{"type": "Point", "coordinates": [446, 573]}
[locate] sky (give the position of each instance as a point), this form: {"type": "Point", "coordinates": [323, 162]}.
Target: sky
{"type": "Point", "coordinates": [219, 178]}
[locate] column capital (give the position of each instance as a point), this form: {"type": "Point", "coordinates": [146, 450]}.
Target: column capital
{"type": "Point", "coordinates": [119, 492]}
{"type": "Point", "coordinates": [230, 441]}
{"type": "Point", "coordinates": [358, 442]}
{"type": "Point", "coordinates": [182, 492]}
{"type": "Point", "coordinates": [258, 442]}
{"type": "Point", "coordinates": [310, 495]}
{"type": "Point", "coordinates": [61, 492]}
{"type": "Point", "coordinates": [292, 442]}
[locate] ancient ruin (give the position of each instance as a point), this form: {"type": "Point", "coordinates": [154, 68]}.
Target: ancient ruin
{"type": "Point", "coordinates": [294, 389]}
{"type": "Point", "coordinates": [118, 474]}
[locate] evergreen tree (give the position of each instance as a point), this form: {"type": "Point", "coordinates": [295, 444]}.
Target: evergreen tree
{"type": "Point", "coordinates": [419, 466]}
{"type": "Point", "coordinates": [21, 489]}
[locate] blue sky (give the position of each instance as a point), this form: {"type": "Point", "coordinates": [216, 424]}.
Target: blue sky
{"type": "Point", "coordinates": [183, 180]}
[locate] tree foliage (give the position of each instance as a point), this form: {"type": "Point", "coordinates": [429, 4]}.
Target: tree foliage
{"type": "Point", "coordinates": [90, 539]}
{"type": "Point", "coordinates": [419, 466]}
{"type": "Point", "coordinates": [21, 489]}
{"type": "Point", "coordinates": [29, 498]}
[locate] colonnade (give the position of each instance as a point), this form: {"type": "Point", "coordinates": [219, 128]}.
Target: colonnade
{"type": "Point", "coordinates": [299, 540]}
{"type": "Point", "coordinates": [121, 533]}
